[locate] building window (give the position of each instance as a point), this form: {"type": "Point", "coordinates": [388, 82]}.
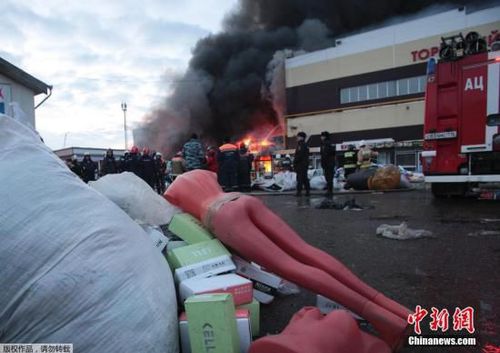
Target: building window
{"type": "Point", "coordinates": [384, 89]}
{"type": "Point", "coordinates": [344, 96]}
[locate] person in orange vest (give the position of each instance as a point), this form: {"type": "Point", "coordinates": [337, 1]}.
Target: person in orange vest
{"type": "Point", "coordinates": [228, 159]}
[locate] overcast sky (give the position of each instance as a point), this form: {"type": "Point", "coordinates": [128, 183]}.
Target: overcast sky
{"type": "Point", "coordinates": [98, 53]}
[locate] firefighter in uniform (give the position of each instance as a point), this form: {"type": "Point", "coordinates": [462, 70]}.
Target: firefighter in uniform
{"type": "Point", "coordinates": [228, 159]}
{"type": "Point", "coordinates": [350, 161]}
{"type": "Point", "coordinates": [301, 164]}
{"type": "Point", "coordinates": [327, 151]}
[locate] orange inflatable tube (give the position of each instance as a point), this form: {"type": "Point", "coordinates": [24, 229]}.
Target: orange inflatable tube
{"type": "Point", "coordinates": [311, 331]}
{"type": "Point", "coordinates": [246, 225]}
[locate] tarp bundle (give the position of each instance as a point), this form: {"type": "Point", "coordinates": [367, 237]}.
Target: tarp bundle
{"type": "Point", "coordinates": [74, 268]}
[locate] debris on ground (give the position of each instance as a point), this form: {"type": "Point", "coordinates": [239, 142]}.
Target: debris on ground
{"type": "Point", "coordinates": [484, 233]}
{"type": "Point", "coordinates": [335, 204]}
{"type": "Point", "coordinates": [402, 232]}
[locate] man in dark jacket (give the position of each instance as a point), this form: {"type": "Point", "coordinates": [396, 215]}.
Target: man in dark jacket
{"type": "Point", "coordinates": [244, 169]}
{"type": "Point", "coordinates": [133, 162]}
{"type": "Point", "coordinates": [148, 168]}
{"type": "Point", "coordinates": [228, 159]}
{"type": "Point", "coordinates": [161, 170]}
{"type": "Point", "coordinates": [89, 168]}
{"type": "Point", "coordinates": [108, 164]}
{"type": "Point", "coordinates": [75, 167]}
{"type": "Point", "coordinates": [301, 164]}
{"type": "Point", "coordinates": [327, 151]}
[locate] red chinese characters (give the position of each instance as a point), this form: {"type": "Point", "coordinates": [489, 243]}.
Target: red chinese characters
{"type": "Point", "coordinates": [440, 319]}
{"type": "Point", "coordinates": [464, 319]}
{"type": "Point", "coordinates": [417, 317]}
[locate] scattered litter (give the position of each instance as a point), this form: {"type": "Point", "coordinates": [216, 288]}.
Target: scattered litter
{"type": "Point", "coordinates": [490, 220]}
{"type": "Point", "coordinates": [484, 233]}
{"type": "Point", "coordinates": [402, 232]}
{"type": "Point", "coordinates": [349, 205]}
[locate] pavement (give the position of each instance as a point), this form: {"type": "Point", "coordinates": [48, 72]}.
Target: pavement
{"type": "Point", "coordinates": [457, 268]}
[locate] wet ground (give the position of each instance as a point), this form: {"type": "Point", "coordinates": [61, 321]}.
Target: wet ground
{"type": "Point", "coordinates": [457, 268]}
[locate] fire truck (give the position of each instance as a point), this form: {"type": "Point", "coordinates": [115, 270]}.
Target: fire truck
{"type": "Point", "coordinates": [462, 120]}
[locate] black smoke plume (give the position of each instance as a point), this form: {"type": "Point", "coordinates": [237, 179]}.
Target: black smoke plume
{"type": "Point", "coordinates": [234, 77]}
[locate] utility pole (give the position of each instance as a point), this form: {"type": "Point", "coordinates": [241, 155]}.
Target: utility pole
{"type": "Point", "coordinates": [124, 108]}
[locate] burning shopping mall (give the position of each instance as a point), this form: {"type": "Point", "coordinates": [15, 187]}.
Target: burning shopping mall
{"type": "Point", "coordinates": [371, 85]}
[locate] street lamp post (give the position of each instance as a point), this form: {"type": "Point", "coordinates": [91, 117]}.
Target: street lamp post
{"type": "Point", "coordinates": [124, 108]}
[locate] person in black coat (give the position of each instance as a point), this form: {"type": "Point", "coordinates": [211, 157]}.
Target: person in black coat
{"type": "Point", "coordinates": [89, 168]}
{"type": "Point", "coordinates": [75, 167]}
{"type": "Point", "coordinates": [148, 168]}
{"type": "Point", "coordinates": [108, 164]}
{"type": "Point", "coordinates": [327, 151]}
{"type": "Point", "coordinates": [244, 169]}
{"type": "Point", "coordinates": [301, 164]}
{"type": "Point", "coordinates": [133, 162]}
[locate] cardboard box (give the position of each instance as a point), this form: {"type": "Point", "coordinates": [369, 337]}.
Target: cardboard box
{"type": "Point", "coordinates": [191, 254]}
{"type": "Point", "coordinates": [326, 306]}
{"type": "Point", "coordinates": [189, 229]}
{"type": "Point", "coordinates": [266, 282]}
{"type": "Point", "coordinates": [208, 268]}
{"type": "Point", "coordinates": [239, 287]}
{"type": "Point", "coordinates": [254, 309]}
{"type": "Point", "coordinates": [212, 324]}
{"type": "Point", "coordinates": [243, 326]}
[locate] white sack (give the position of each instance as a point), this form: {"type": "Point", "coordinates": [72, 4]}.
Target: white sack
{"type": "Point", "coordinates": [74, 267]}
{"type": "Point", "coordinates": [318, 182]}
{"type": "Point", "coordinates": [135, 196]}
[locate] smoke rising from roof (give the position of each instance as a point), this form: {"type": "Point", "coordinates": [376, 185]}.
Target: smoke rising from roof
{"type": "Point", "coordinates": [235, 79]}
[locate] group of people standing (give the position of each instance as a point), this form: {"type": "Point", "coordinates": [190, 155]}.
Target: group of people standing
{"type": "Point", "coordinates": [301, 162]}
{"type": "Point", "coordinates": [232, 163]}
{"type": "Point", "coordinates": [352, 161]}
{"type": "Point", "coordinates": [148, 166]}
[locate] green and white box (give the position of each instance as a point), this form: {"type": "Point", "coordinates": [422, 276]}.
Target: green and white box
{"type": "Point", "coordinates": [239, 287]}
{"type": "Point", "coordinates": [208, 268]}
{"type": "Point", "coordinates": [189, 229]}
{"type": "Point", "coordinates": [212, 324]}
{"type": "Point", "coordinates": [243, 327]}
{"type": "Point", "coordinates": [254, 309]}
{"type": "Point", "coordinates": [191, 254]}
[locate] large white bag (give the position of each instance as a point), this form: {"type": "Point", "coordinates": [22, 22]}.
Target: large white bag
{"type": "Point", "coordinates": [74, 268]}
{"type": "Point", "coordinates": [136, 198]}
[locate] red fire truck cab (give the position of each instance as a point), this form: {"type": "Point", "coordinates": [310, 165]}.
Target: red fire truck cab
{"type": "Point", "coordinates": [462, 120]}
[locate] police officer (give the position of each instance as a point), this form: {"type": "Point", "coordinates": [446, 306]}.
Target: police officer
{"type": "Point", "coordinates": [75, 166]}
{"type": "Point", "coordinates": [148, 168]}
{"type": "Point", "coordinates": [301, 164]}
{"type": "Point", "coordinates": [228, 159]}
{"type": "Point", "coordinates": [133, 162]}
{"type": "Point", "coordinates": [350, 161]}
{"type": "Point", "coordinates": [327, 151]}
{"type": "Point", "coordinates": [108, 164]}
{"type": "Point", "coordinates": [161, 170]}
{"type": "Point", "coordinates": [89, 168]}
